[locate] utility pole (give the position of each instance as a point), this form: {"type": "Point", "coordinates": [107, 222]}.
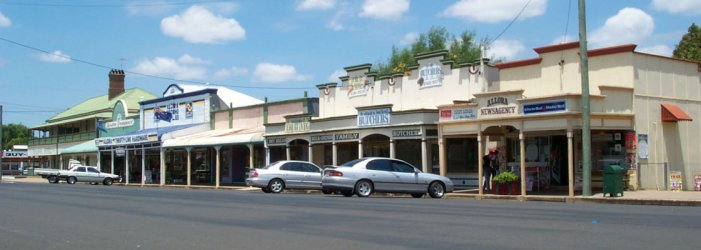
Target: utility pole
{"type": "Point", "coordinates": [586, 116]}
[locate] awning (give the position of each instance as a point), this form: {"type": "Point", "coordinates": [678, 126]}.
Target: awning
{"type": "Point", "coordinates": [85, 147]}
{"type": "Point", "coordinates": [673, 113]}
{"type": "Point", "coordinates": [219, 137]}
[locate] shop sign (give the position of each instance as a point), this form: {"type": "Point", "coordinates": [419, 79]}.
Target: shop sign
{"type": "Point", "coordinates": [630, 141]}
{"type": "Point", "coordinates": [346, 137]}
{"type": "Point", "coordinates": [176, 113]}
{"type": "Point", "coordinates": [458, 114]}
{"type": "Point", "coordinates": [544, 107]}
{"type": "Point", "coordinates": [120, 152]}
{"type": "Point", "coordinates": [675, 181]}
{"type": "Point", "coordinates": [357, 86]}
{"type": "Point", "coordinates": [321, 138]}
{"type": "Point", "coordinates": [276, 141]}
{"type": "Point", "coordinates": [129, 139]}
{"type": "Point", "coordinates": [508, 110]}
{"type": "Point", "coordinates": [373, 117]}
{"type": "Point", "coordinates": [406, 133]}
{"type": "Point", "coordinates": [298, 124]}
{"type": "Point", "coordinates": [119, 124]}
{"type": "Point", "coordinates": [430, 75]}
{"type": "Point", "coordinates": [14, 154]}
{"type": "Point", "coordinates": [642, 146]}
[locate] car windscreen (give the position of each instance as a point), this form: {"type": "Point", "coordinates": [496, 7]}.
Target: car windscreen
{"type": "Point", "coordinates": [351, 163]}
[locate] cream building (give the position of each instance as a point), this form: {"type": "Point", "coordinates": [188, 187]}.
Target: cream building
{"type": "Point", "coordinates": [642, 110]}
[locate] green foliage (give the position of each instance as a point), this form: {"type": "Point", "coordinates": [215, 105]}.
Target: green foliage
{"type": "Point", "coordinates": [505, 177]}
{"type": "Point", "coordinates": [690, 45]}
{"type": "Point", "coordinates": [14, 134]}
{"type": "Point", "coordinates": [463, 48]}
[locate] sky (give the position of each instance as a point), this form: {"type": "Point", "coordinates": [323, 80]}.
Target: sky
{"type": "Point", "coordinates": [56, 54]}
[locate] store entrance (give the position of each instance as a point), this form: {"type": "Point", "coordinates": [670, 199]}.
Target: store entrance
{"type": "Point", "coordinates": [557, 159]}
{"type": "Point", "coordinates": [376, 146]}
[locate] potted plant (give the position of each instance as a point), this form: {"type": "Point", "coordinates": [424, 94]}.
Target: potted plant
{"type": "Point", "coordinates": [507, 179]}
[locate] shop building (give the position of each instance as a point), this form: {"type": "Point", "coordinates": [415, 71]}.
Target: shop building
{"type": "Point", "coordinates": [16, 160]}
{"type": "Point", "coordinates": [71, 133]}
{"type": "Point", "coordinates": [182, 110]}
{"type": "Point", "coordinates": [370, 115]}
{"type": "Point", "coordinates": [642, 108]}
{"type": "Point", "coordinates": [236, 143]}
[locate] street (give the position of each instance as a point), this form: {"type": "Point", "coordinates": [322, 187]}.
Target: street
{"type": "Point", "coordinates": [82, 216]}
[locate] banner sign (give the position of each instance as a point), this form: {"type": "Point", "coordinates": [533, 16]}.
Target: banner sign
{"type": "Point", "coordinates": [544, 107]}
{"type": "Point", "coordinates": [129, 139]}
{"type": "Point", "coordinates": [119, 124]}
{"type": "Point", "coordinates": [374, 117]}
{"type": "Point", "coordinates": [430, 75]}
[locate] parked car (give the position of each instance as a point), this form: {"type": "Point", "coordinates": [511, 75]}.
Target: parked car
{"type": "Point", "coordinates": [80, 173]}
{"type": "Point", "coordinates": [286, 174]}
{"type": "Point", "coordinates": [367, 175]}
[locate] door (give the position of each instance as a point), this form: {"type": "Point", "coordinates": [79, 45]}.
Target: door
{"type": "Point", "coordinates": [380, 172]}
{"type": "Point", "coordinates": [292, 174]}
{"type": "Point", "coordinates": [312, 175]}
{"type": "Point", "coordinates": [93, 175]}
{"type": "Point", "coordinates": [407, 177]}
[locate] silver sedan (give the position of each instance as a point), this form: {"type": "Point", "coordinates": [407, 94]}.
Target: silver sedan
{"type": "Point", "coordinates": [367, 175]}
{"type": "Point", "coordinates": [286, 174]}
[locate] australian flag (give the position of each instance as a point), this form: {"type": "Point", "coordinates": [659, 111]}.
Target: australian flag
{"type": "Point", "coordinates": [100, 125]}
{"type": "Point", "coordinates": [163, 115]}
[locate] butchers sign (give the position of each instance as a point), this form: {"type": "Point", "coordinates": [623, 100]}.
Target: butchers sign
{"type": "Point", "coordinates": [374, 117]}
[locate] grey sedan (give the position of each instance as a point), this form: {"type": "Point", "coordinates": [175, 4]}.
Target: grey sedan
{"type": "Point", "coordinates": [367, 175]}
{"type": "Point", "coordinates": [286, 174]}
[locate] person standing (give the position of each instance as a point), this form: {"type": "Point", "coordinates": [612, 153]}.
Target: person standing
{"type": "Point", "coordinates": [488, 170]}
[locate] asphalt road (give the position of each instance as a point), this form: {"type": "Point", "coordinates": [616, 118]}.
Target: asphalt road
{"type": "Point", "coordinates": [81, 216]}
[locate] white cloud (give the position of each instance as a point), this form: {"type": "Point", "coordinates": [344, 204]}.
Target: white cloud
{"type": "Point", "coordinates": [199, 25]}
{"type": "Point", "coordinates": [4, 21]}
{"type": "Point", "coordinates": [185, 67]}
{"type": "Point", "coordinates": [630, 25]}
{"type": "Point", "coordinates": [563, 39]}
{"type": "Point", "coordinates": [385, 9]}
{"type": "Point", "coordinates": [687, 7]}
{"type": "Point", "coordinates": [230, 72]}
{"type": "Point", "coordinates": [505, 49]}
{"type": "Point", "coordinates": [268, 72]}
{"type": "Point", "coordinates": [336, 22]}
{"type": "Point", "coordinates": [336, 74]}
{"type": "Point", "coordinates": [490, 11]}
{"type": "Point", "coordinates": [315, 5]}
{"type": "Point", "coordinates": [409, 38]}
{"type": "Point", "coordinates": [662, 50]}
{"type": "Point", "coordinates": [55, 57]}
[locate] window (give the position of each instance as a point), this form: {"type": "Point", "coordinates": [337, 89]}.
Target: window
{"type": "Point", "coordinates": [310, 168]}
{"type": "Point", "coordinates": [93, 170]}
{"type": "Point", "coordinates": [398, 166]}
{"type": "Point", "coordinates": [292, 166]}
{"type": "Point", "coordinates": [80, 169]}
{"type": "Point", "coordinates": [380, 165]}
{"type": "Point", "coordinates": [351, 163]}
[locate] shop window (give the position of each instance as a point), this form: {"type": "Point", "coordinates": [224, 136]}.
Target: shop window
{"type": "Point", "coordinates": [461, 155]}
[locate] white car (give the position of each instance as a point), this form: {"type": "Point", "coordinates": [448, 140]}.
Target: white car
{"type": "Point", "coordinates": [83, 174]}
{"type": "Point", "coordinates": [286, 174]}
{"type": "Point", "coordinates": [366, 175]}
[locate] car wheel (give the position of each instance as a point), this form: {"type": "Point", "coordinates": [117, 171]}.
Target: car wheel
{"type": "Point", "coordinates": [276, 186]}
{"type": "Point", "coordinates": [52, 179]}
{"type": "Point", "coordinates": [265, 190]}
{"type": "Point", "coordinates": [326, 191]}
{"type": "Point", "coordinates": [347, 193]}
{"type": "Point", "coordinates": [107, 182]}
{"type": "Point", "coordinates": [415, 195]}
{"type": "Point", "coordinates": [71, 180]}
{"type": "Point", "coordinates": [363, 188]}
{"type": "Point", "coordinates": [436, 189]}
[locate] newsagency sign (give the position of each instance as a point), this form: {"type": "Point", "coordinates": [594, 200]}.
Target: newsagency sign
{"type": "Point", "coordinates": [374, 117]}
{"type": "Point", "coordinates": [125, 140]}
{"type": "Point", "coordinates": [498, 106]}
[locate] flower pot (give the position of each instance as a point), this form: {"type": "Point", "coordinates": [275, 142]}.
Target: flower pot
{"type": "Point", "coordinates": [509, 188]}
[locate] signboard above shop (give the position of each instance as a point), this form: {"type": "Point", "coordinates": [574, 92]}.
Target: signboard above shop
{"type": "Point", "coordinates": [458, 114]}
{"type": "Point", "coordinates": [498, 106]}
{"type": "Point", "coordinates": [544, 107]}
{"type": "Point", "coordinates": [430, 75]}
{"type": "Point", "coordinates": [126, 140]}
{"type": "Point", "coordinates": [297, 124]}
{"type": "Point", "coordinates": [374, 117]}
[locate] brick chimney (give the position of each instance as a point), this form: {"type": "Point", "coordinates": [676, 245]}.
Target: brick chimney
{"type": "Point", "coordinates": [116, 83]}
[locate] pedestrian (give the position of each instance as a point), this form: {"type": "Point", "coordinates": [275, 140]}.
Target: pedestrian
{"type": "Point", "coordinates": [494, 162]}
{"type": "Point", "coordinates": [487, 170]}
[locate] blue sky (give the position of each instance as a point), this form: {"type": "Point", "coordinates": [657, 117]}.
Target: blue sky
{"type": "Point", "coordinates": [269, 45]}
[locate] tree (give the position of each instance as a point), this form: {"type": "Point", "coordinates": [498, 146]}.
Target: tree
{"type": "Point", "coordinates": [14, 134]}
{"type": "Point", "coordinates": [690, 45]}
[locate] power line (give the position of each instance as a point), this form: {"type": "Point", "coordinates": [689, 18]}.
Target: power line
{"type": "Point", "coordinates": [512, 22]}
{"type": "Point", "coordinates": [156, 4]}
{"type": "Point", "coordinates": [141, 74]}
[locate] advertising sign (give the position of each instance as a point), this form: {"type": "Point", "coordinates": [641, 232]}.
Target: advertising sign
{"type": "Point", "coordinates": [406, 133]}
{"type": "Point", "coordinates": [346, 137]}
{"type": "Point", "coordinates": [119, 124]}
{"type": "Point", "coordinates": [357, 86]}
{"type": "Point", "coordinates": [642, 146]}
{"type": "Point", "coordinates": [174, 112]}
{"type": "Point", "coordinates": [297, 124]}
{"type": "Point", "coordinates": [697, 182]}
{"type": "Point", "coordinates": [373, 117]}
{"type": "Point", "coordinates": [128, 139]}
{"type": "Point", "coordinates": [544, 107]}
{"type": "Point", "coordinates": [430, 75]}
{"type": "Point", "coordinates": [675, 181]}
{"type": "Point", "coordinates": [276, 141]}
{"type": "Point", "coordinates": [321, 138]}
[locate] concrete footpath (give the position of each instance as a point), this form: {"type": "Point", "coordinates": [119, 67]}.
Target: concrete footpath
{"type": "Point", "coordinates": [640, 197]}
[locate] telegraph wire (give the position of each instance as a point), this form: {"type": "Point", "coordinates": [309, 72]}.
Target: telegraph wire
{"type": "Point", "coordinates": [510, 23]}
{"type": "Point", "coordinates": [142, 74]}
{"type": "Point", "coordinates": [36, 4]}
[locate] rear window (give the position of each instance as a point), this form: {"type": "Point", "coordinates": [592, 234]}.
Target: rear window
{"type": "Point", "coordinates": [270, 165]}
{"type": "Point", "coordinates": [351, 163]}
